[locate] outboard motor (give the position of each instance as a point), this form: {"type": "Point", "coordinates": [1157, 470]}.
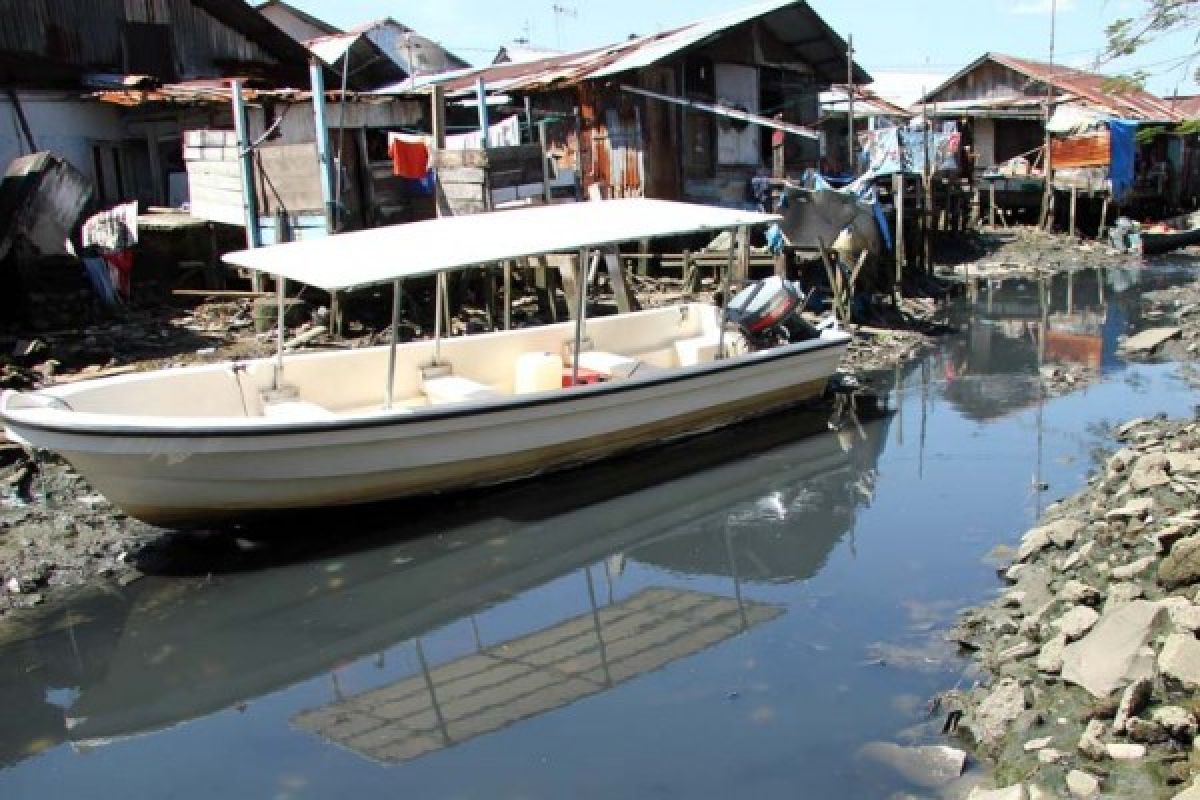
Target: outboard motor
{"type": "Point", "coordinates": [767, 313]}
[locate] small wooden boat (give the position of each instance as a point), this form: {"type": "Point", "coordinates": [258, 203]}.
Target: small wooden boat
{"type": "Point", "coordinates": [201, 444]}
{"type": "Point", "coordinates": [1172, 234]}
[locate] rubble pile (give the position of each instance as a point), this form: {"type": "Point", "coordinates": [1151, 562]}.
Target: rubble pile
{"type": "Point", "coordinates": [1030, 250]}
{"type": "Point", "coordinates": [1176, 313]}
{"type": "Point", "coordinates": [1090, 657]}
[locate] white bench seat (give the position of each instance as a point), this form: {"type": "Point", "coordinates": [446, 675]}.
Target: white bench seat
{"type": "Point", "coordinates": [296, 410]}
{"type": "Point", "coordinates": [613, 365]}
{"type": "Point", "coordinates": [456, 389]}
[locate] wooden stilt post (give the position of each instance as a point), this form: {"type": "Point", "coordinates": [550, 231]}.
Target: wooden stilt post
{"type": "Point", "coordinates": [1074, 203]}
{"type": "Point", "coordinates": [901, 255]}
{"type": "Point", "coordinates": [508, 289]}
{"type": "Point", "coordinates": [1103, 218]}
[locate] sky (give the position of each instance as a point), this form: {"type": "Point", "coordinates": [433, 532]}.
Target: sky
{"type": "Point", "coordinates": [924, 36]}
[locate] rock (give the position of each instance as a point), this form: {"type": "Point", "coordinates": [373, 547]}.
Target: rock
{"type": "Point", "coordinates": [1078, 557]}
{"type": "Point", "coordinates": [1133, 700]}
{"type": "Point", "coordinates": [1112, 654]}
{"type": "Point", "coordinates": [1064, 532]}
{"type": "Point", "coordinates": [1129, 427]}
{"type": "Point", "coordinates": [1149, 340]}
{"type": "Point", "coordinates": [1184, 463]}
{"type": "Point", "coordinates": [1119, 751]}
{"type": "Point", "coordinates": [1181, 567]}
{"type": "Point", "coordinates": [1089, 742]}
{"type": "Point", "coordinates": [1020, 650]}
{"type": "Point", "coordinates": [1185, 618]}
{"type": "Point", "coordinates": [1134, 509]}
{"type": "Point", "coordinates": [1076, 622]}
{"type": "Point", "coordinates": [1083, 785]}
{"type": "Point", "coordinates": [1133, 569]}
{"type": "Point", "coordinates": [1077, 592]}
{"type": "Point", "coordinates": [1179, 722]}
{"type": "Point", "coordinates": [1038, 793]}
{"type": "Point", "coordinates": [1051, 658]}
{"type": "Point", "coordinates": [1014, 598]}
{"type": "Point", "coordinates": [1049, 755]}
{"type": "Point", "coordinates": [1032, 543]}
{"type": "Point", "coordinates": [1180, 659]}
{"type": "Point", "coordinates": [1014, 792]}
{"type": "Point", "coordinates": [1145, 731]}
{"type": "Point", "coordinates": [930, 766]}
{"type": "Point", "coordinates": [1038, 744]}
{"type": "Point", "coordinates": [1121, 593]}
{"type": "Point", "coordinates": [1149, 472]}
{"type": "Point", "coordinates": [1166, 538]}
{"type": "Point", "coordinates": [1003, 705]}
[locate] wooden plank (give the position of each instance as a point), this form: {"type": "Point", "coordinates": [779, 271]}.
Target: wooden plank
{"type": "Point", "coordinates": [1090, 150]}
{"type": "Point", "coordinates": [222, 168]}
{"type": "Point", "coordinates": [450, 159]}
{"type": "Point", "coordinates": [463, 175]}
{"type": "Point", "coordinates": [463, 191]}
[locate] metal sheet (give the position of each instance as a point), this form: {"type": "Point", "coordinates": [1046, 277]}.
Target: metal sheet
{"type": "Point", "coordinates": [424, 248]}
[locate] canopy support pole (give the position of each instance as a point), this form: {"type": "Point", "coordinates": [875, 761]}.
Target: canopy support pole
{"type": "Point", "coordinates": [439, 291]}
{"type": "Point", "coordinates": [581, 316]}
{"type": "Point", "coordinates": [726, 282]}
{"type": "Point", "coordinates": [280, 285]}
{"type": "Point", "coordinates": [391, 372]}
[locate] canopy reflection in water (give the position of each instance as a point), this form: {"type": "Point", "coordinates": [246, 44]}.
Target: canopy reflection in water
{"type": "Point", "coordinates": [191, 648]}
{"type": "Point", "coordinates": [503, 684]}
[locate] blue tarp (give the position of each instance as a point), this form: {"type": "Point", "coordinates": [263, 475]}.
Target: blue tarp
{"type": "Point", "coordinates": [1122, 133]}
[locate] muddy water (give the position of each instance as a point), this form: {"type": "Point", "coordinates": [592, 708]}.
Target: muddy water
{"type": "Point", "coordinates": [732, 616]}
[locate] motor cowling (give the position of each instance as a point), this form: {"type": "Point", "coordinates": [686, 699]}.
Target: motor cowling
{"type": "Point", "coordinates": [767, 313]}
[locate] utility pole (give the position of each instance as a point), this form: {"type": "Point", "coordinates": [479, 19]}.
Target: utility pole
{"type": "Point", "coordinates": [850, 106]}
{"type": "Point", "coordinates": [1048, 167]}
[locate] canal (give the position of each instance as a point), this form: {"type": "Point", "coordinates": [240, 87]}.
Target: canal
{"type": "Point", "coordinates": [734, 615]}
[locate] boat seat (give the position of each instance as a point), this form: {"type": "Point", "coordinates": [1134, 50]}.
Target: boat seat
{"type": "Point", "coordinates": [296, 410]}
{"type": "Point", "coordinates": [456, 389]}
{"type": "Point", "coordinates": [613, 365]}
{"type": "Point", "coordinates": [697, 350]}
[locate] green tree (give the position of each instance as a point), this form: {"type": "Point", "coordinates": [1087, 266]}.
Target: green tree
{"type": "Point", "coordinates": [1158, 18]}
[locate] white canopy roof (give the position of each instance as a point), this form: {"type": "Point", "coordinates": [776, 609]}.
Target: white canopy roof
{"type": "Point", "coordinates": [438, 245]}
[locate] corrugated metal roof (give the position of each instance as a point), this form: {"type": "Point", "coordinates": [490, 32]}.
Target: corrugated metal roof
{"type": "Point", "coordinates": [793, 22]}
{"type": "Point", "coordinates": [53, 42]}
{"type": "Point", "coordinates": [1188, 106]}
{"type": "Point", "coordinates": [1087, 87]}
{"type": "Point", "coordinates": [866, 103]}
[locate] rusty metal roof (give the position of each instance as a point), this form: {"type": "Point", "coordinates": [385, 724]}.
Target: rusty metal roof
{"type": "Point", "coordinates": [54, 42]}
{"type": "Point", "coordinates": [867, 103]}
{"type": "Point", "coordinates": [1089, 88]}
{"type": "Point", "coordinates": [1187, 105]}
{"type": "Point", "coordinates": [792, 22]}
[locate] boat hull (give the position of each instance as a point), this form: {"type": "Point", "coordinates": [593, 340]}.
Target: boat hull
{"type": "Point", "coordinates": [183, 478]}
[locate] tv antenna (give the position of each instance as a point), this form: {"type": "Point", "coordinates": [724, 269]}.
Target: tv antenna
{"type": "Point", "coordinates": [561, 11]}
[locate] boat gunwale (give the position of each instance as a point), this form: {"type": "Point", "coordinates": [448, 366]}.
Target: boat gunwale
{"type": "Point", "coordinates": [397, 418]}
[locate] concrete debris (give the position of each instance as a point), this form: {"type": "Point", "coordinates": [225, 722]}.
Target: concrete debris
{"type": "Point", "coordinates": [1180, 659]}
{"type": "Point", "coordinates": [1083, 785]}
{"type": "Point", "coordinates": [1114, 652]}
{"type": "Point", "coordinates": [1121, 623]}
{"type": "Point", "coordinates": [1150, 340]}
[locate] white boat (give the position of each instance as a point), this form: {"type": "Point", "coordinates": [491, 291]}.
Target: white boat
{"type": "Point", "coordinates": [200, 444]}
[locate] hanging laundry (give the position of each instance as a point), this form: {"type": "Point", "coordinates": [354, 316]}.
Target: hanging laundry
{"type": "Point", "coordinates": [409, 154]}
{"type": "Point", "coordinates": [113, 234]}
{"type": "Point", "coordinates": [506, 133]}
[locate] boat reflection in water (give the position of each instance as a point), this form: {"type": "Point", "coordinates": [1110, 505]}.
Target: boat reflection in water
{"type": "Point", "coordinates": [766, 502]}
